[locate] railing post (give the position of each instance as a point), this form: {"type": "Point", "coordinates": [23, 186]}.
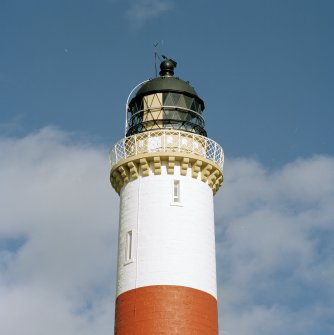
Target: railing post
{"type": "Point", "coordinates": [135, 144]}
{"type": "Point", "coordinates": [124, 149]}
{"type": "Point", "coordinates": [163, 140]}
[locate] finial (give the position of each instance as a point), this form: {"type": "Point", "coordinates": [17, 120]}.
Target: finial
{"type": "Point", "coordinates": [167, 68]}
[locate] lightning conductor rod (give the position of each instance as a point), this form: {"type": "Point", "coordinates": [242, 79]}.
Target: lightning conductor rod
{"type": "Point", "coordinates": [156, 55]}
{"type": "Point", "coordinates": [155, 64]}
{"type": "Point", "coordinates": [127, 104]}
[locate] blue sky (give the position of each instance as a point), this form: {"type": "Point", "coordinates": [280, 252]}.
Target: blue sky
{"type": "Point", "coordinates": [266, 73]}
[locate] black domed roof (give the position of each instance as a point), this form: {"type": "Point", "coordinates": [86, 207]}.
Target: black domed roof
{"type": "Point", "coordinates": [167, 83]}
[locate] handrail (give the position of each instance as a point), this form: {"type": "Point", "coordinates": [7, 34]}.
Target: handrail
{"type": "Point", "coordinates": [164, 141]}
{"type": "Point", "coordinates": [127, 103]}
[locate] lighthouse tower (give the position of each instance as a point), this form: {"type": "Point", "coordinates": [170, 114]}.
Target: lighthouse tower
{"type": "Point", "coordinates": [166, 171]}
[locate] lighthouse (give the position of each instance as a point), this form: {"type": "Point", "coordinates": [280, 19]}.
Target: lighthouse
{"type": "Point", "coordinates": [166, 171]}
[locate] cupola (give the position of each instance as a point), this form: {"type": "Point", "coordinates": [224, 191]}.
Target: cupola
{"type": "Point", "coordinates": [165, 102]}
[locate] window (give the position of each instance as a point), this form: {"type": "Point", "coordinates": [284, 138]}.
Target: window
{"type": "Point", "coordinates": [129, 246]}
{"type": "Point", "coordinates": [176, 191]}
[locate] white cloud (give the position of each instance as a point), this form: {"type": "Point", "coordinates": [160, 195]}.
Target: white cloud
{"type": "Point", "coordinates": [56, 202]}
{"type": "Point", "coordinates": [58, 226]}
{"type": "Point", "coordinates": [275, 232]}
{"type": "Point", "coordinates": [145, 10]}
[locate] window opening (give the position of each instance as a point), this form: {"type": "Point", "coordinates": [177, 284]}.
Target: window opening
{"type": "Point", "coordinates": [176, 191]}
{"type": "Point", "coordinates": [129, 246]}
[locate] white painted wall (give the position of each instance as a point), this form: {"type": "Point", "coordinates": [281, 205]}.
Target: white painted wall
{"type": "Point", "coordinates": [173, 245]}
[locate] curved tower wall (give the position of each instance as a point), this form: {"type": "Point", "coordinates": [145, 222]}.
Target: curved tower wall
{"type": "Point", "coordinates": [173, 242]}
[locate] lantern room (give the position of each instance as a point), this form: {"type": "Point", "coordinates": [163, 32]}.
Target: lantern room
{"type": "Point", "coordinates": [165, 102]}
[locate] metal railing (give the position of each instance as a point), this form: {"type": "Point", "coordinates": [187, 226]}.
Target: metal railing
{"type": "Point", "coordinates": [167, 141]}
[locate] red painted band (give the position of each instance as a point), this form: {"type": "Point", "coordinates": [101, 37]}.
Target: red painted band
{"type": "Point", "coordinates": [166, 309]}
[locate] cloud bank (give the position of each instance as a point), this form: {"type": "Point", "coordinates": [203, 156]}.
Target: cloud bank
{"type": "Point", "coordinates": [58, 236]}
{"type": "Point", "coordinates": [275, 247]}
{"type": "Point", "coordinates": [58, 226]}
